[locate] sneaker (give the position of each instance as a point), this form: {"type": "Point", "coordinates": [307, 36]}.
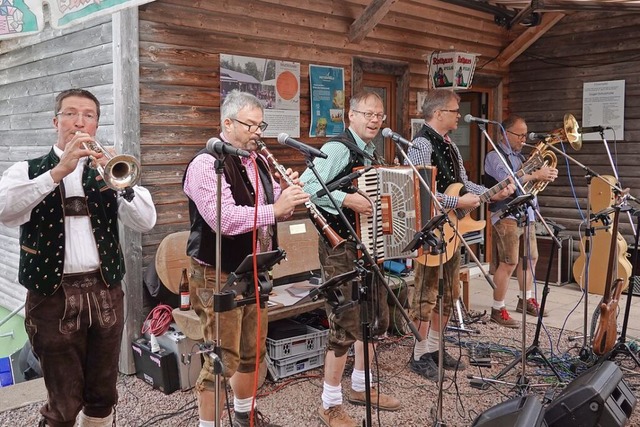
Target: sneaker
{"type": "Point", "coordinates": [450, 362]}
{"type": "Point", "coordinates": [425, 366]}
{"type": "Point", "coordinates": [384, 402]}
{"type": "Point", "coordinates": [501, 317]}
{"type": "Point", "coordinates": [241, 419]}
{"type": "Point", "coordinates": [336, 417]}
{"type": "Point", "coordinates": [532, 307]}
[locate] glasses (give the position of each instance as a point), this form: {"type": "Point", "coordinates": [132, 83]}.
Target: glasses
{"type": "Point", "coordinates": [519, 135]}
{"type": "Point", "coordinates": [73, 115]}
{"type": "Point", "coordinates": [370, 115]}
{"type": "Point", "coordinates": [452, 111]}
{"type": "Point", "coordinates": [254, 128]}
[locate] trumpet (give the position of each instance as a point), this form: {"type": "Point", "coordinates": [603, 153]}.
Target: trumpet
{"type": "Point", "coordinates": [120, 172]}
{"type": "Point", "coordinates": [332, 238]}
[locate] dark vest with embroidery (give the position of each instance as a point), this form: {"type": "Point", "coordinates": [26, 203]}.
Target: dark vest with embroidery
{"type": "Point", "coordinates": [356, 158]}
{"type": "Point", "coordinates": [444, 156]}
{"type": "Point", "coordinates": [202, 239]}
{"type": "Point", "coordinates": [42, 239]}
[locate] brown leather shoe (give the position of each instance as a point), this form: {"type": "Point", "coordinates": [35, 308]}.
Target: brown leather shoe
{"type": "Point", "coordinates": [336, 417]}
{"type": "Point", "coordinates": [502, 317]}
{"type": "Point", "coordinates": [382, 401]}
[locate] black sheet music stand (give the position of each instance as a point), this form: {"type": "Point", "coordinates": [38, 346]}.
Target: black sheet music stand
{"type": "Point", "coordinates": [240, 282]}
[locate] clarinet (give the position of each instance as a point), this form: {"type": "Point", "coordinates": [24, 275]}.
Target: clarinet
{"type": "Point", "coordinates": [332, 238]}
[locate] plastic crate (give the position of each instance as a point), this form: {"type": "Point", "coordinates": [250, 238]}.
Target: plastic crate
{"type": "Point", "coordinates": [292, 365]}
{"type": "Point", "coordinates": [314, 340]}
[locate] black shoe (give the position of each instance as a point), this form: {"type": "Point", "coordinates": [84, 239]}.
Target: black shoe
{"type": "Point", "coordinates": [450, 362]}
{"type": "Point", "coordinates": [241, 419]}
{"type": "Point", "coordinates": [425, 366]}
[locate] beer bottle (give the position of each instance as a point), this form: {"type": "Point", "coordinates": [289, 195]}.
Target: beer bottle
{"type": "Point", "coordinates": [185, 304]}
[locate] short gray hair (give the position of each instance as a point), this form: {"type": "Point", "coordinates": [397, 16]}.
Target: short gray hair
{"type": "Point", "coordinates": [437, 99]}
{"type": "Point", "coordinates": [236, 101]}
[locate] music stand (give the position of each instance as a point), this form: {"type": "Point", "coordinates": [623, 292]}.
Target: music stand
{"type": "Point", "coordinates": [241, 280]}
{"type": "Point", "coordinates": [425, 237]}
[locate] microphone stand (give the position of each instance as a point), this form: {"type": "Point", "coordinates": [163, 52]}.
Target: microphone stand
{"type": "Point", "coordinates": [615, 173]}
{"type": "Point", "coordinates": [216, 355]}
{"type": "Point", "coordinates": [586, 351]}
{"type": "Point", "coordinates": [369, 262]}
{"type": "Point", "coordinates": [523, 201]}
{"type": "Point", "coordinates": [438, 246]}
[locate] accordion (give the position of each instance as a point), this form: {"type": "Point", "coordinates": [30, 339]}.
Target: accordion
{"type": "Point", "coordinates": [402, 206]}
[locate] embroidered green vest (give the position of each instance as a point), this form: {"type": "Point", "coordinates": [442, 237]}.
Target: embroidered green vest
{"type": "Point", "coordinates": [42, 240]}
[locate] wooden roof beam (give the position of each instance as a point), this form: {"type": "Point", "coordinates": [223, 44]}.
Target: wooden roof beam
{"type": "Point", "coordinates": [526, 39]}
{"type": "Point", "coordinates": [370, 17]}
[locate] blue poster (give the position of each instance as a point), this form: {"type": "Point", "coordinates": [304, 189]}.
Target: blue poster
{"type": "Point", "coordinates": [327, 101]}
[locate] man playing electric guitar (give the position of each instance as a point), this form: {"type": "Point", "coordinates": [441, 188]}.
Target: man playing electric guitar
{"type": "Point", "coordinates": [432, 146]}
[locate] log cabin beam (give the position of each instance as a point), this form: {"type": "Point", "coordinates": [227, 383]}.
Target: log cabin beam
{"type": "Point", "coordinates": [526, 39]}
{"type": "Point", "coordinates": [370, 17]}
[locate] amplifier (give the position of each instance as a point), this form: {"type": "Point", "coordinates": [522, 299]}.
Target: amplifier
{"type": "Point", "coordinates": [157, 369]}
{"type": "Point", "coordinates": [178, 343]}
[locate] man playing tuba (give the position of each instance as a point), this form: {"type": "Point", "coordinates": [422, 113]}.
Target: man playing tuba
{"type": "Point", "coordinates": [508, 231]}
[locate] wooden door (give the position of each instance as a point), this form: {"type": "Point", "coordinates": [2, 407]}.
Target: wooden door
{"type": "Point", "coordinates": [384, 85]}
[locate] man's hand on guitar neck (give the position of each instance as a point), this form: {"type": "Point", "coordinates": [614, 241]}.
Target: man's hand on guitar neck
{"type": "Point", "coordinates": [505, 192]}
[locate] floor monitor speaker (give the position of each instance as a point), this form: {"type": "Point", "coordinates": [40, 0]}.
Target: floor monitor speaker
{"type": "Point", "coordinates": [522, 411]}
{"type": "Point", "coordinates": [598, 397]}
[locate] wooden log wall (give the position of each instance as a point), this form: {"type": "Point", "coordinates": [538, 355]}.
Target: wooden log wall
{"type": "Point", "coordinates": [547, 81]}
{"type": "Point", "coordinates": [180, 44]}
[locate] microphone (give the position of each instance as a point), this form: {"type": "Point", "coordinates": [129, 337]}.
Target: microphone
{"type": "Point", "coordinates": [215, 146]}
{"type": "Point", "coordinates": [535, 136]}
{"type": "Point", "coordinates": [469, 118]}
{"type": "Point", "coordinates": [593, 129]}
{"type": "Point", "coordinates": [305, 149]}
{"type": "Point", "coordinates": [388, 133]}
{"type": "Point", "coordinates": [343, 182]}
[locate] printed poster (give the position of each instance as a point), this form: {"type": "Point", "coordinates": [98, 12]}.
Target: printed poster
{"type": "Point", "coordinates": [327, 101]}
{"type": "Point", "coordinates": [275, 83]}
{"type": "Point", "coordinates": [24, 17]}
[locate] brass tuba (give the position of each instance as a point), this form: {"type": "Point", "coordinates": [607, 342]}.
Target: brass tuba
{"type": "Point", "coordinates": [567, 133]}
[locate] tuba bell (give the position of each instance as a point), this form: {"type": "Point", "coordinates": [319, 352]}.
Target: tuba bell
{"type": "Point", "coordinates": [567, 133]}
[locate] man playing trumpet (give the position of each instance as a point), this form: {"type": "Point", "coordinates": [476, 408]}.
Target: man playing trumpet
{"type": "Point", "coordinates": [72, 265]}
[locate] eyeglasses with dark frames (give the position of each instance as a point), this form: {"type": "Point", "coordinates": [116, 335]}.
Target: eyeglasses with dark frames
{"type": "Point", "coordinates": [253, 128]}
{"type": "Point", "coordinates": [369, 115]}
{"type": "Point", "coordinates": [453, 111]}
{"type": "Point", "coordinates": [519, 135]}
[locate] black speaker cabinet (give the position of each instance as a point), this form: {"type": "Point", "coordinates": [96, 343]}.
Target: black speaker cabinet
{"type": "Point", "coordinates": [523, 411]}
{"type": "Point", "coordinates": [598, 397]}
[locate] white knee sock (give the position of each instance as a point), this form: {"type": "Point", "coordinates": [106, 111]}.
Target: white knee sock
{"type": "Point", "coordinates": [331, 395]}
{"type": "Point", "coordinates": [357, 381]}
{"type": "Point", "coordinates": [419, 348]}
{"type": "Point", "coordinates": [433, 341]}
{"type": "Point", "coordinates": [87, 421]}
{"type": "Point", "coordinates": [242, 405]}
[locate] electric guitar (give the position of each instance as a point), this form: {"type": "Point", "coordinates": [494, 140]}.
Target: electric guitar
{"type": "Point", "coordinates": [460, 217]}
